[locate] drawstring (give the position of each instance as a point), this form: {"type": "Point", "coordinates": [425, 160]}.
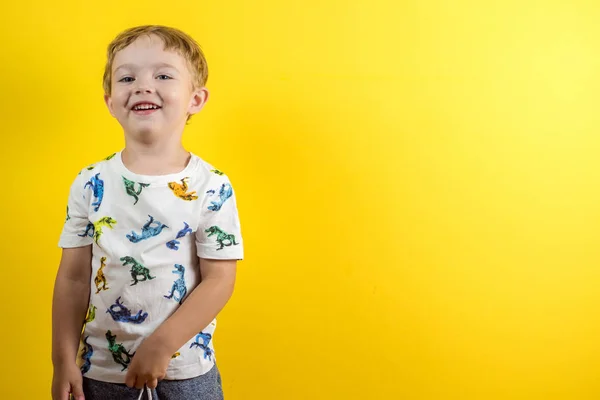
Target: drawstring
{"type": "Point", "coordinates": [148, 392]}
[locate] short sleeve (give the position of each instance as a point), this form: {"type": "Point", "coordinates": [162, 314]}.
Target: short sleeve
{"type": "Point", "coordinates": [219, 234]}
{"type": "Point", "coordinates": [76, 231]}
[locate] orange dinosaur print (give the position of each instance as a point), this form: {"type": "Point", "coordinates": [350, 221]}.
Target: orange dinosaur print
{"type": "Point", "coordinates": [180, 190]}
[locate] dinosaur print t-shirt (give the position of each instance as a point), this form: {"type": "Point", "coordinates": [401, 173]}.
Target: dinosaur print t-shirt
{"type": "Point", "coordinates": [147, 233]}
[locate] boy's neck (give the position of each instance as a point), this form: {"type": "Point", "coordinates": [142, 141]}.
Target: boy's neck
{"type": "Point", "coordinates": [155, 159]}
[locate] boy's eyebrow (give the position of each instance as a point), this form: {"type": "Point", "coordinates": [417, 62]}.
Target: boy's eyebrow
{"type": "Point", "coordinates": [158, 65]}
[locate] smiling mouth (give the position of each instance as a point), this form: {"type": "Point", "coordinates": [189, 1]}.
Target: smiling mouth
{"type": "Point", "coordinates": [143, 107]}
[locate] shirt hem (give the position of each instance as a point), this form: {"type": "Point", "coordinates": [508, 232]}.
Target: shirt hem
{"type": "Point", "coordinates": [172, 374]}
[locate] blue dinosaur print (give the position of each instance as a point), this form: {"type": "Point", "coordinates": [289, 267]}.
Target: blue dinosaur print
{"type": "Point", "coordinates": [206, 337]}
{"type": "Point", "coordinates": [173, 244]}
{"type": "Point", "coordinates": [89, 230]}
{"type": "Point", "coordinates": [178, 285]}
{"type": "Point", "coordinates": [86, 356]}
{"type": "Point", "coordinates": [147, 231]}
{"type": "Point", "coordinates": [120, 313]}
{"type": "Point", "coordinates": [186, 229]}
{"type": "Point", "coordinates": [225, 193]}
{"type": "Point", "coordinates": [97, 186]}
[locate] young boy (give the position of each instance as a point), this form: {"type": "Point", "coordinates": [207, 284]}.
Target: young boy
{"type": "Point", "coordinates": [150, 242]}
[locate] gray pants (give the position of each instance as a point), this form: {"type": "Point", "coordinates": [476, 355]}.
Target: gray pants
{"type": "Point", "coordinates": [203, 387]}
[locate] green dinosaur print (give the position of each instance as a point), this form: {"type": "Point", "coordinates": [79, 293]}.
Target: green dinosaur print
{"type": "Point", "coordinates": [91, 313]}
{"type": "Point", "coordinates": [216, 171]}
{"type": "Point", "coordinates": [137, 269]}
{"type": "Point", "coordinates": [118, 351]}
{"type": "Point", "coordinates": [111, 156]}
{"type": "Point", "coordinates": [130, 188]}
{"type": "Point", "coordinates": [68, 216]}
{"type": "Point", "coordinates": [221, 236]}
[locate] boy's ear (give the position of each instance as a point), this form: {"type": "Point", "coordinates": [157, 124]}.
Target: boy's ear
{"type": "Point", "coordinates": [108, 102]}
{"type": "Point", "coordinates": [199, 99]}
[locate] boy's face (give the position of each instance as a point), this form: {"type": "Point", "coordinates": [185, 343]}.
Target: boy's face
{"type": "Point", "coordinates": [145, 73]}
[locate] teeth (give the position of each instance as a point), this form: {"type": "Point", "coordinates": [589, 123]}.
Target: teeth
{"type": "Point", "coordinates": [145, 107]}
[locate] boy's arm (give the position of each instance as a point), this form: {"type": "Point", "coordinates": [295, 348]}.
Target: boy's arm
{"type": "Point", "coordinates": [70, 302]}
{"type": "Point", "coordinates": [200, 307]}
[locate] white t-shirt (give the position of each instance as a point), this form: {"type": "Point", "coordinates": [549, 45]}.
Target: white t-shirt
{"type": "Point", "coordinates": [147, 233]}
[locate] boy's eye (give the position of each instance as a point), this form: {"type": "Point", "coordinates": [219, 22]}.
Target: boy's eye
{"type": "Point", "coordinates": [125, 79]}
{"type": "Point", "coordinates": [163, 77]}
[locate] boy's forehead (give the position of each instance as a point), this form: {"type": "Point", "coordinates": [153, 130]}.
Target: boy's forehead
{"type": "Point", "coordinates": [147, 51]}
{"type": "Point", "coordinates": [159, 64]}
{"type": "Point", "coordinates": [147, 48]}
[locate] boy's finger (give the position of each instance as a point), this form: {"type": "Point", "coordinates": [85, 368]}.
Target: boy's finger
{"type": "Point", "coordinates": [152, 383]}
{"type": "Point", "coordinates": [130, 378]}
{"type": "Point", "coordinates": [63, 395]}
{"type": "Point", "coordinates": [77, 391]}
{"type": "Point", "coordinates": [140, 382]}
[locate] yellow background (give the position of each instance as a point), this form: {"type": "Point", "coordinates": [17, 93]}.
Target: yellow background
{"type": "Point", "coordinates": [417, 184]}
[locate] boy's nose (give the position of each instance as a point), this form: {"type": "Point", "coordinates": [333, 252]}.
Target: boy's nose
{"type": "Point", "coordinates": [143, 85]}
{"type": "Point", "coordinates": [143, 89]}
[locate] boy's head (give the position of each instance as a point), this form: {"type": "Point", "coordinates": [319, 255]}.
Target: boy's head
{"type": "Point", "coordinates": [155, 67]}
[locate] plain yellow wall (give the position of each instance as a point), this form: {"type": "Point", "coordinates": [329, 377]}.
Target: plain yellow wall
{"type": "Point", "coordinates": [417, 181]}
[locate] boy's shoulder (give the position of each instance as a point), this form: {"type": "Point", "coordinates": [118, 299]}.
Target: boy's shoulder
{"type": "Point", "coordinates": [207, 169]}
{"type": "Point", "coordinates": [92, 169]}
{"type": "Point", "coordinates": [213, 179]}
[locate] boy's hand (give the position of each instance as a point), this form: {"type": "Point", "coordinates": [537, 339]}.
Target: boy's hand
{"type": "Point", "coordinates": [148, 365]}
{"type": "Point", "coordinates": [67, 380]}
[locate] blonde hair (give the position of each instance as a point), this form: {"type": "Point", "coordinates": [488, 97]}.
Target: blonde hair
{"type": "Point", "coordinates": [173, 39]}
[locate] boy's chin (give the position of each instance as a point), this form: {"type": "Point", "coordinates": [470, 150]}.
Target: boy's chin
{"type": "Point", "coordinates": [143, 132]}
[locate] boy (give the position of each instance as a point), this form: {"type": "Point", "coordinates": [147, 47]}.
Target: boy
{"type": "Point", "coordinates": [150, 242]}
